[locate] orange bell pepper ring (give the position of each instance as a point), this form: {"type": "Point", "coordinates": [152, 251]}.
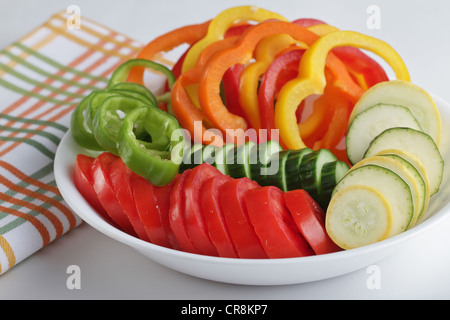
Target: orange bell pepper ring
{"type": "Point", "coordinates": [187, 34]}
{"type": "Point", "coordinates": [242, 53]}
{"type": "Point", "coordinates": [189, 116]}
{"type": "Point", "coordinates": [311, 78]}
{"type": "Point", "coordinates": [221, 23]}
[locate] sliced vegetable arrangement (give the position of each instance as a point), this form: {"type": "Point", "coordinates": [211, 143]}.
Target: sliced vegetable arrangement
{"type": "Point", "coordinates": [269, 138]}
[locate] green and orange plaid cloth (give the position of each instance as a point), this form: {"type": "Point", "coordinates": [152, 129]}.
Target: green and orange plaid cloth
{"type": "Point", "coordinates": [42, 79]}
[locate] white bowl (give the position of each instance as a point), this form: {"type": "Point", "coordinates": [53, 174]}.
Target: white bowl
{"type": "Point", "coordinates": [255, 271]}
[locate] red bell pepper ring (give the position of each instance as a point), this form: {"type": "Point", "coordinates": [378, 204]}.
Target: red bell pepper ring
{"type": "Point", "coordinates": [274, 225]}
{"type": "Point", "coordinates": [283, 69]}
{"type": "Point", "coordinates": [193, 217]}
{"type": "Point", "coordinates": [310, 220]}
{"type": "Point", "coordinates": [212, 211]}
{"type": "Point", "coordinates": [241, 230]}
{"type": "Point", "coordinates": [104, 190]}
{"type": "Point", "coordinates": [231, 89]}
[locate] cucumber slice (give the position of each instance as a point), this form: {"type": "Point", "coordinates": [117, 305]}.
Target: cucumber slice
{"type": "Point", "coordinates": [332, 173]}
{"type": "Point", "coordinates": [292, 168]}
{"type": "Point", "coordinates": [239, 164]}
{"type": "Point", "coordinates": [400, 168]}
{"type": "Point", "coordinates": [417, 143]}
{"type": "Point", "coordinates": [417, 169]}
{"type": "Point", "coordinates": [370, 122]}
{"type": "Point", "coordinates": [311, 171]}
{"type": "Point", "coordinates": [191, 155]}
{"type": "Point", "coordinates": [393, 188]}
{"type": "Point", "coordinates": [358, 216]}
{"type": "Point", "coordinates": [221, 157]}
{"type": "Point", "coordinates": [406, 94]}
{"type": "Point", "coordinates": [209, 154]}
{"type": "Point", "coordinates": [260, 166]}
{"type": "Point", "coordinates": [278, 179]}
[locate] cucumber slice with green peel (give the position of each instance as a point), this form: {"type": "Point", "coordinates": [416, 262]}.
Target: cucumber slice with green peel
{"type": "Point", "coordinates": [209, 154]}
{"type": "Point", "coordinates": [332, 173]}
{"type": "Point", "coordinates": [400, 168]}
{"type": "Point", "coordinates": [416, 168]}
{"type": "Point", "coordinates": [358, 215]}
{"type": "Point", "coordinates": [409, 95]}
{"type": "Point", "coordinates": [239, 164]}
{"type": "Point", "coordinates": [278, 179]}
{"type": "Point", "coordinates": [393, 188]}
{"type": "Point", "coordinates": [221, 157]}
{"type": "Point", "coordinates": [372, 121]}
{"type": "Point", "coordinates": [191, 155]}
{"type": "Point", "coordinates": [260, 166]}
{"type": "Point", "coordinates": [292, 168]}
{"type": "Point", "coordinates": [311, 171]}
{"type": "Point", "coordinates": [417, 143]}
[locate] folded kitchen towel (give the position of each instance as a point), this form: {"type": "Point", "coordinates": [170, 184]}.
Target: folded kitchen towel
{"type": "Point", "coordinates": [42, 79]}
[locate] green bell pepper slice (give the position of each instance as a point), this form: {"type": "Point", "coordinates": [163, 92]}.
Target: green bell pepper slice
{"type": "Point", "coordinates": [109, 118]}
{"type": "Point", "coordinates": [148, 159]}
{"type": "Point", "coordinates": [120, 75]}
{"type": "Point", "coordinates": [79, 127]}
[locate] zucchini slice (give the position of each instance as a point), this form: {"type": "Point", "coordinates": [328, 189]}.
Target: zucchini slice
{"type": "Point", "coordinates": [369, 123]}
{"type": "Point", "coordinates": [358, 215]}
{"type": "Point", "coordinates": [393, 188]}
{"type": "Point", "coordinates": [400, 168]}
{"type": "Point", "coordinates": [416, 168]}
{"type": "Point", "coordinates": [417, 143]}
{"type": "Point", "coordinates": [409, 95]}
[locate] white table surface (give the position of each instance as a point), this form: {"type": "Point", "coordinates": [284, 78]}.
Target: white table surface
{"type": "Point", "coordinates": [418, 30]}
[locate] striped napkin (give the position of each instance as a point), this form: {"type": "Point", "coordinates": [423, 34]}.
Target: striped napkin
{"type": "Point", "coordinates": [42, 78]}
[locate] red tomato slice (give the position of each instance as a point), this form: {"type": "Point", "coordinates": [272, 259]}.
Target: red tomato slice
{"type": "Point", "coordinates": [103, 188]}
{"type": "Point", "coordinates": [215, 221]}
{"type": "Point", "coordinates": [147, 208]}
{"type": "Point", "coordinates": [274, 225]}
{"type": "Point", "coordinates": [162, 200]}
{"type": "Point", "coordinates": [241, 230]}
{"type": "Point", "coordinates": [176, 213]}
{"type": "Point", "coordinates": [193, 217]}
{"type": "Point", "coordinates": [120, 176]}
{"type": "Point", "coordinates": [310, 220]}
{"type": "Point", "coordinates": [82, 177]}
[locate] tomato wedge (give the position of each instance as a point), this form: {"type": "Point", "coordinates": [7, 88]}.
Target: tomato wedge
{"type": "Point", "coordinates": [241, 230]}
{"type": "Point", "coordinates": [310, 220]}
{"type": "Point", "coordinates": [215, 221]}
{"type": "Point", "coordinates": [120, 176]}
{"type": "Point", "coordinates": [193, 217]}
{"type": "Point", "coordinates": [274, 225]}
{"type": "Point", "coordinates": [150, 208]}
{"type": "Point", "coordinates": [104, 189]}
{"type": "Point", "coordinates": [82, 177]}
{"type": "Point", "coordinates": [176, 213]}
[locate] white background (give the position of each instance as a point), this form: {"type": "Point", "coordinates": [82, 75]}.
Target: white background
{"type": "Point", "coordinates": [418, 30]}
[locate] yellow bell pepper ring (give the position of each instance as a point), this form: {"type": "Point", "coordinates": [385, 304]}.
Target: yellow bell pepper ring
{"type": "Point", "coordinates": [311, 78]}
{"type": "Point", "coordinates": [221, 23]}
